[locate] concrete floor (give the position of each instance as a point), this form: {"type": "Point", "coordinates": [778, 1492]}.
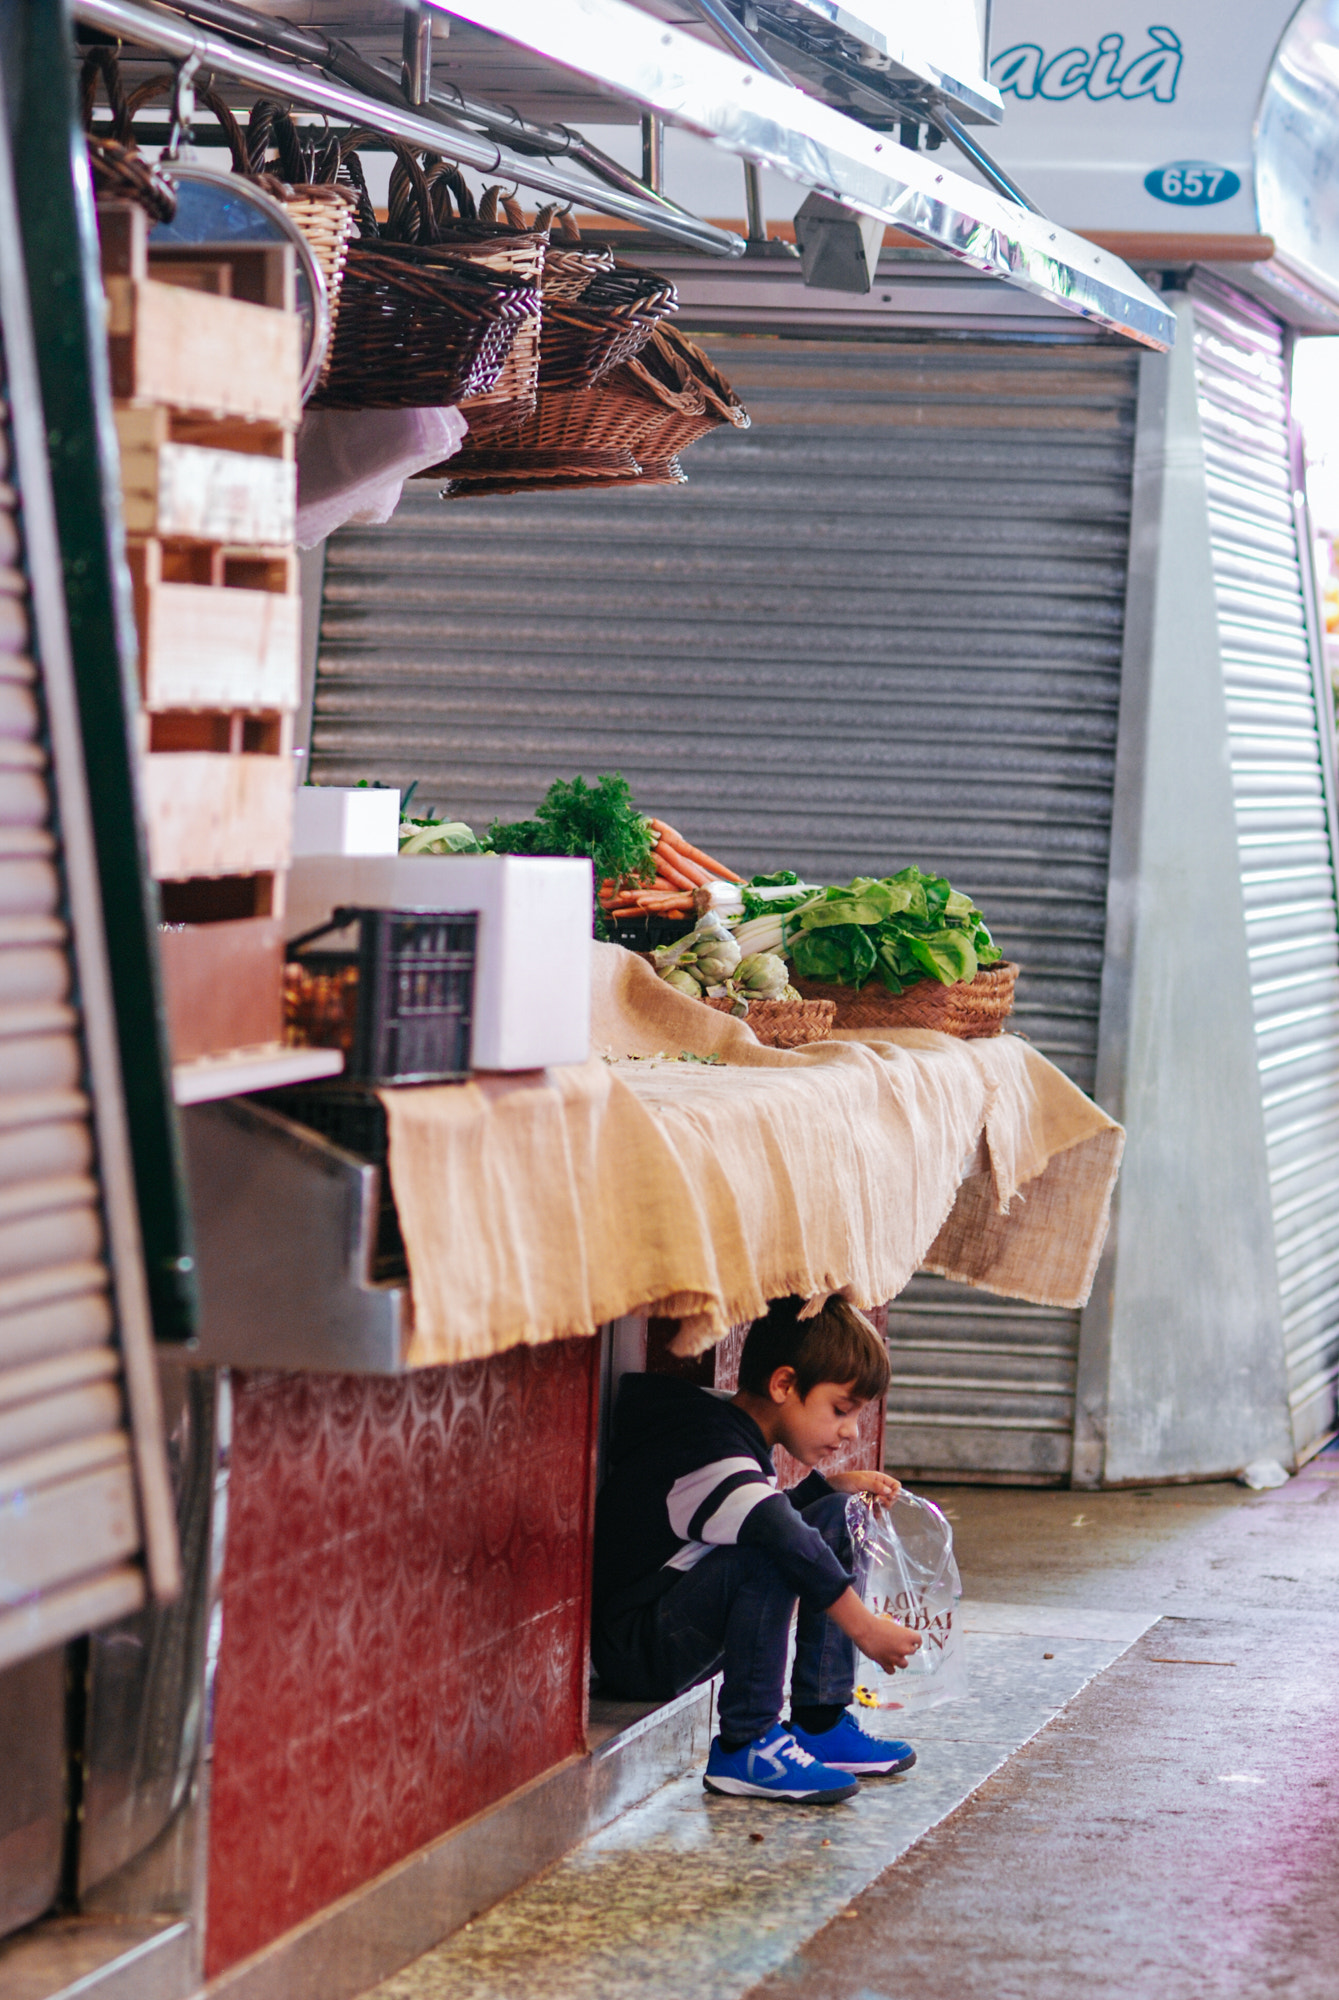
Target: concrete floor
{"type": "Point", "coordinates": [1109, 1815]}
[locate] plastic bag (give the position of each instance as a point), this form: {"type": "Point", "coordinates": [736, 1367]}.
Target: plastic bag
{"type": "Point", "coordinates": [904, 1569]}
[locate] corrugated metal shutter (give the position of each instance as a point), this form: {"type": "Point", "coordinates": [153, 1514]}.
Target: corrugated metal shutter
{"type": "Point", "coordinates": [883, 626]}
{"type": "Point", "coordinates": [1281, 746]}
{"type": "Point", "coordinates": [69, 1519]}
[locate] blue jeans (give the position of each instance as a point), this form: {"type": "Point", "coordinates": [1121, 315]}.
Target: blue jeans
{"type": "Point", "coordinates": [731, 1613]}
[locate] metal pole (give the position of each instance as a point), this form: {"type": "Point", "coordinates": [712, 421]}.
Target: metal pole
{"type": "Point", "coordinates": [738, 38]}
{"type": "Point", "coordinates": [653, 152]}
{"type": "Point", "coordinates": [993, 175]}
{"type": "Point", "coordinates": [416, 46]}
{"type": "Point", "coordinates": [753, 203]}
{"type": "Point", "coordinates": [161, 31]}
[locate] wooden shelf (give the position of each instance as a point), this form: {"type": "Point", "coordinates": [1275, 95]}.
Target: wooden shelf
{"type": "Point", "coordinates": [244, 1070]}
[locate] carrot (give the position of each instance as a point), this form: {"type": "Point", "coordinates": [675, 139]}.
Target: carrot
{"type": "Point", "coordinates": [669, 871]}
{"type": "Point", "coordinates": [683, 853]}
{"type": "Point", "coordinates": [681, 850]}
{"type": "Point", "coordinates": [672, 857]}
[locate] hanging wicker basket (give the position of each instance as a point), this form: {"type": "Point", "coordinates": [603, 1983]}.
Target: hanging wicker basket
{"type": "Point", "coordinates": [430, 313]}
{"type": "Point", "coordinates": [119, 173]}
{"type": "Point", "coordinates": [609, 322]}
{"type": "Point", "coordinates": [431, 202]}
{"type": "Point", "coordinates": [970, 1008]}
{"type": "Point", "coordinates": [324, 212]}
{"type": "Point", "coordinates": [629, 429]}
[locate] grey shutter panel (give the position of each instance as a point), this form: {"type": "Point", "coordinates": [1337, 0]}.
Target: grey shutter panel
{"type": "Point", "coordinates": [77, 1487]}
{"type": "Point", "coordinates": [1283, 780]}
{"type": "Point", "coordinates": [882, 626]}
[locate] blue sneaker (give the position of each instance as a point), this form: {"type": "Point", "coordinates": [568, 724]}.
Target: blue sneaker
{"type": "Point", "coordinates": [774, 1766]}
{"type": "Point", "coordinates": [846, 1747]}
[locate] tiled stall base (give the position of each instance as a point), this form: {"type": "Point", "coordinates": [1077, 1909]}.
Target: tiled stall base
{"type": "Point", "coordinates": [698, 1897]}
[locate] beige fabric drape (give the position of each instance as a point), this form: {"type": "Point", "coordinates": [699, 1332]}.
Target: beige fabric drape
{"type": "Point", "coordinates": [538, 1206]}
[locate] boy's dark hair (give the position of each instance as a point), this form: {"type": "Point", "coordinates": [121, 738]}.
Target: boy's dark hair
{"type": "Point", "coordinates": [837, 1345]}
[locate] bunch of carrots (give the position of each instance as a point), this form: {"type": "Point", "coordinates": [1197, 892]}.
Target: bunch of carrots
{"type": "Point", "coordinates": [681, 870]}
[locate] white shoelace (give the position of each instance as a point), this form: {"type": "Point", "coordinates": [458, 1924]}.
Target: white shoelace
{"type": "Point", "coordinates": [796, 1753]}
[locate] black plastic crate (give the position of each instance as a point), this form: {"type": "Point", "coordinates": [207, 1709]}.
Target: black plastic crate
{"type": "Point", "coordinates": [647, 933]}
{"type": "Point", "coordinates": [353, 1116]}
{"type": "Point", "coordinates": [415, 992]}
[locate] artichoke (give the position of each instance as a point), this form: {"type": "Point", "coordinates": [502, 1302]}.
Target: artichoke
{"type": "Point", "coordinates": [683, 982]}
{"type": "Point", "coordinates": [763, 975]}
{"type": "Point", "coordinates": [715, 960]}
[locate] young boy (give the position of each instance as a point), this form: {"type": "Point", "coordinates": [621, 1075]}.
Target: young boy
{"type": "Point", "coordinates": [699, 1559]}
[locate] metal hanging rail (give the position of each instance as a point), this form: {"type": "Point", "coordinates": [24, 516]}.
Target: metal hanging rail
{"type": "Point", "coordinates": [343, 64]}
{"type": "Point", "coordinates": [168, 33]}
{"type": "Point", "coordinates": [746, 111]}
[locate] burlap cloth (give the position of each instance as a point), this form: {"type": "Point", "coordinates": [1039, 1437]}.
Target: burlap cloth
{"type": "Point", "coordinates": [537, 1206]}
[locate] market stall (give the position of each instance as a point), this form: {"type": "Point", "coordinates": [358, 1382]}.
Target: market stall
{"type": "Point", "coordinates": [947, 599]}
{"type": "Point", "coordinates": [399, 1326]}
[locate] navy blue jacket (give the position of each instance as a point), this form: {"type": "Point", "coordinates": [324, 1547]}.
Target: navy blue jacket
{"type": "Point", "coordinates": [689, 1472]}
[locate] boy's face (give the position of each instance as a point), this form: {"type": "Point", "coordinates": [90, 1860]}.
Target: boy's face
{"type": "Point", "coordinates": [811, 1426]}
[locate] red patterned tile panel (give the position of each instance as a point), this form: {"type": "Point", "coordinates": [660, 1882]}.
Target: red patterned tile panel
{"type": "Point", "coordinates": [404, 1619]}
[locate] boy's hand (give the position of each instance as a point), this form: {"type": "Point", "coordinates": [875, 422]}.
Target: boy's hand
{"type": "Point", "coordinates": [880, 1639]}
{"type": "Point", "coordinates": [880, 1485]}
{"type": "Point", "coordinates": [889, 1643]}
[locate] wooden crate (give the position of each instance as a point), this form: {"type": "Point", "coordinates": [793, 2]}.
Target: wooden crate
{"type": "Point", "coordinates": [223, 985]}
{"type": "Point", "coordinates": [219, 356]}
{"type": "Point", "coordinates": [210, 813]}
{"type": "Point", "coordinates": [228, 641]}
{"type": "Point", "coordinates": [145, 426]}
{"type": "Point", "coordinates": [265, 274]}
{"type": "Point", "coordinates": [195, 491]}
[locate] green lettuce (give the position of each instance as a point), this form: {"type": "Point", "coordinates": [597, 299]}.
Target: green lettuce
{"type": "Point", "coordinates": [902, 928]}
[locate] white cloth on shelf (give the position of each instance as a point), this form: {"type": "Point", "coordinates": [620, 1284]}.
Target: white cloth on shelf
{"type": "Point", "coordinates": [352, 464]}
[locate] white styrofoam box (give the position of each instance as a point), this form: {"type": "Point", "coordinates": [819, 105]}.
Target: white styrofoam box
{"type": "Point", "coordinates": [533, 967]}
{"type": "Point", "coordinates": [345, 819]}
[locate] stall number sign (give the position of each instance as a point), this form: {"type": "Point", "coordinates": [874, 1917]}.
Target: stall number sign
{"type": "Point", "coordinates": [1192, 183]}
{"type": "Point", "coordinates": [1116, 69]}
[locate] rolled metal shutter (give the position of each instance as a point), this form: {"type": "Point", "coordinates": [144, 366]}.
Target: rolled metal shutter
{"type": "Point", "coordinates": [70, 1522]}
{"type": "Point", "coordinates": [883, 626]}
{"type": "Point", "coordinates": [1283, 779]}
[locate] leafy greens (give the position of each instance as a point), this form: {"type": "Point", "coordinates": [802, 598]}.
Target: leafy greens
{"type": "Point", "coordinates": [774, 905]}
{"type": "Point", "coordinates": [598, 820]}
{"type": "Point", "coordinates": [904, 928]}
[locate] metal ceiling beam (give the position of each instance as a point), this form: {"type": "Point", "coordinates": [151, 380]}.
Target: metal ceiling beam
{"type": "Point", "coordinates": [151, 28]}
{"type": "Point", "coordinates": [681, 79]}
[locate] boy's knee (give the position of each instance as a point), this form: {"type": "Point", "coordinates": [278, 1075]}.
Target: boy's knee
{"type": "Point", "coordinates": [828, 1515]}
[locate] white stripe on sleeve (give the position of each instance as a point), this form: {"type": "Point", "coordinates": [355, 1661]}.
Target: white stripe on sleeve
{"type": "Point", "coordinates": [689, 1493]}
{"type": "Point", "coordinates": [724, 1525]}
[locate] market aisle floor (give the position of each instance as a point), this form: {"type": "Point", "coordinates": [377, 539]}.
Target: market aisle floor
{"type": "Point", "coordinates": [1153, 1824]}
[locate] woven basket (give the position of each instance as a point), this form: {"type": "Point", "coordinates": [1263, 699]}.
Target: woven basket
{"type": "Point", "coordinates": [118, 171]}
{"type": "Point", "coordinates": [431, 310]}
{"type": "Point", "coordinates": [696, 396]}
{"type": "Point", "coordinates": [431, 202]}
{"type": "Point", "coordinates": [969, 1009]}
{"type": "Point", "coordinates": [119, 174]}
{"type": "Point", "coordinates": [568, 271]}
{"type": "Point", "coordinates": [648, 411]}
{"type": "Point", "coordinates": [420, 327]}
{"type": "Point", "coordinates": [326, 214]}
{"type": "Point", "coordinates": [786, 1024]}
{"type": "Point", "coordinates": [609, 322]}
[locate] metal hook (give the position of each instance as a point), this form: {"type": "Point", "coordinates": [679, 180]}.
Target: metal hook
{"type": "Point", "coordinates": [183, 105]}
